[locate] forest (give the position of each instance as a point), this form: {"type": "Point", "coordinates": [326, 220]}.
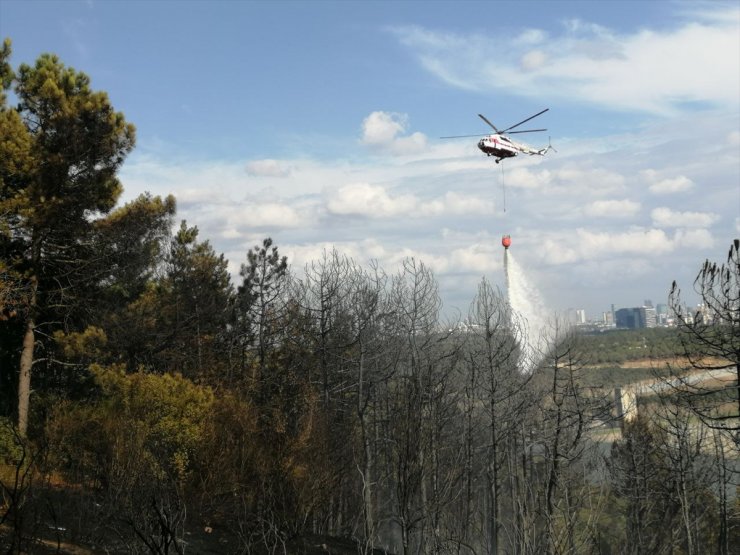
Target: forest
{"type": "Point", "coordinates": [149, 404]}
{"type": "Point", "coordinates": [622, 345]}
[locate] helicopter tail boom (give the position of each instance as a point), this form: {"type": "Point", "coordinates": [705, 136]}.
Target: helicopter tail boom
{"type": "Point", "coordinates": [543, 151]}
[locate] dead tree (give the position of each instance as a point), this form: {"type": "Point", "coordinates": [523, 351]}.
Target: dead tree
{"type": "Point", "coordinates": [710, 343]}
{"type": "Point", "coordinates": [499, 383]}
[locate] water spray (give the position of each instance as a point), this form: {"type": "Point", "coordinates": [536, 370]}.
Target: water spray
{"type": "Point", "coordinates": [525, 300]}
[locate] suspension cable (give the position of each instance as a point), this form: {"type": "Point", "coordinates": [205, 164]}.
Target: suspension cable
{"type": "Point", "coordinates": [503, 184]}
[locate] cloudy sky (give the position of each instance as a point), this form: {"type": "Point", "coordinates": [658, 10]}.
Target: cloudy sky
{"type": "Point", "coordinates": [318, 124]}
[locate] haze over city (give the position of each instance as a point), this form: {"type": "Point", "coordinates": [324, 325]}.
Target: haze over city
{"type": "Point", "coordinates": [318, 124]}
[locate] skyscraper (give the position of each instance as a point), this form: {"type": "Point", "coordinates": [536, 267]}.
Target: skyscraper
{"type": "Point", "coordinates": [647, 315]}
{"type": "Point", "coordinates": [628, 318]}
{"type": "Point", "coordinates": [661, 314]}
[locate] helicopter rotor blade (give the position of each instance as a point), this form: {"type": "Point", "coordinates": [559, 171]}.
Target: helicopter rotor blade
{"type": "Point", "coordinates": [460, 136]}
{"type": "Point", "coordinates": [489, 123]}
{"type": "Point", "coordinates": [527, 131]}
{"type": "Point", "coordinates": [524, 120]}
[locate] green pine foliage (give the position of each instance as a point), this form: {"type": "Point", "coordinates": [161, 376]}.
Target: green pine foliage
{"type": "Point", "coordinates": [159, 419]}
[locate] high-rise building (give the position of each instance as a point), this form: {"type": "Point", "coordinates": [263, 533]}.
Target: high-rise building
{"type": "Point", "coordinates": [637, 317]}
{"type": "Point", "coordinates": [661, 314]}
{"type": "Point", "coordinates": [647, 315]}
{"type": "Point", "coordinates": [580, 316]}
{"type": "Point", "coordinates": [628, 318]}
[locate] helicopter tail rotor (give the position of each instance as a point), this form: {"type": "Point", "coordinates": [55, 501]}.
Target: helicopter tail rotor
{"type": "Point", "coordinates": [547, 149]}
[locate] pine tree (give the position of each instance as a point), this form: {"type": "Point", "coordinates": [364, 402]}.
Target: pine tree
{"type": "Point", "coordinates": [61, 148]}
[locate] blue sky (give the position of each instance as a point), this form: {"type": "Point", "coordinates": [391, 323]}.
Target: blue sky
{"type": "Point", "coordinates": [318, 124]}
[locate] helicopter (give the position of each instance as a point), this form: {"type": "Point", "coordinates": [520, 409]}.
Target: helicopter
{"type": "Point", "coordinates": [501, 146]}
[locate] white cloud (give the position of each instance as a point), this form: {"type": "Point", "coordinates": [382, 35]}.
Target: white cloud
{"type": "Point", "coordinates": [645, 70]}
{"type": "Point", "coordinates": [369, 200]}
{"type": "Point", "coordinates": [482, 259]}
{"type": "Point", "coordinates": [438, 262]}
{"type": "Point", "coordinates": [665, 186]}
{"type": "Point", "coordinates": [531, 36]}
{"type": "Point", "coordinates": [270, 214]}
{"type": "Point", "coordinates": [613, 272]}
{"type": "Point", "coordinates": [693, 239]}
{"type": "Point", "coordinates": [733, 138]}
{"type": "Point", "coordinates": [653, 241]}
{"type": "Point", "coordinates": [382, 128]}
{"type": "Point", "coordinates": [532, 60]}
{"type": "Point", "coordinates": [231, 233]}
{"type": "Point", "coordinates": [587, 245]}
{"type": "Point", "coordinates": [374, 201]}
{"type": "Point", "coordinates": [242, 220]}
{"type": "Point", "coordinates": [612, 208]}
{"type": "Point", "coordinates": [192, 197]}
{"type": "Point", "coordinates": [525, 178]}
{"type": "Point", "coordinates": [665, 217]}
{"type": "Point", "coordinates": [268, 167]}
{"type": "Point", "coordinates": [389, 259]}
{"type": "Point", "coordinates": [673, 185]}
{"type": "Point", "coordinates": [457, 203]}
{"type": "Point", "coordinates": [571, 179]}
{"type": "Point", "coordinates": [597, 181]}
{"type": "Point", "coordinates": [361, 252]}
{"type": "Point", "coordinates": [384, 131]}
{"type": "Point", "coordinates": [145, 172]}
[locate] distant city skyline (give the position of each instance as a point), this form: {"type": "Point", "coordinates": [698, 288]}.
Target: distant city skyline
{"type": "Point", "coordinates": [660, 314]}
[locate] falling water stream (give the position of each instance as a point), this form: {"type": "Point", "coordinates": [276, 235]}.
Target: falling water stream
{"type": "Point", "coordinates": [525, 300]}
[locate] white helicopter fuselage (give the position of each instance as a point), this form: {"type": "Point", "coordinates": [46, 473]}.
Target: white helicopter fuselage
{"type": "Point", "coordinates": [502, 147]}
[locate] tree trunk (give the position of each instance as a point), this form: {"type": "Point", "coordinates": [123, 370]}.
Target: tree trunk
{"type": "Point", "coordinates": [493, 482]}
{"type": "Point", "coordinates": [719, 450]}
{"type": "Point", "coordinates": [26, 362]}
{"type": "Point", "coordinates": [367, 461]}
{"type": "Point", "coordinates": [24, 379]}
